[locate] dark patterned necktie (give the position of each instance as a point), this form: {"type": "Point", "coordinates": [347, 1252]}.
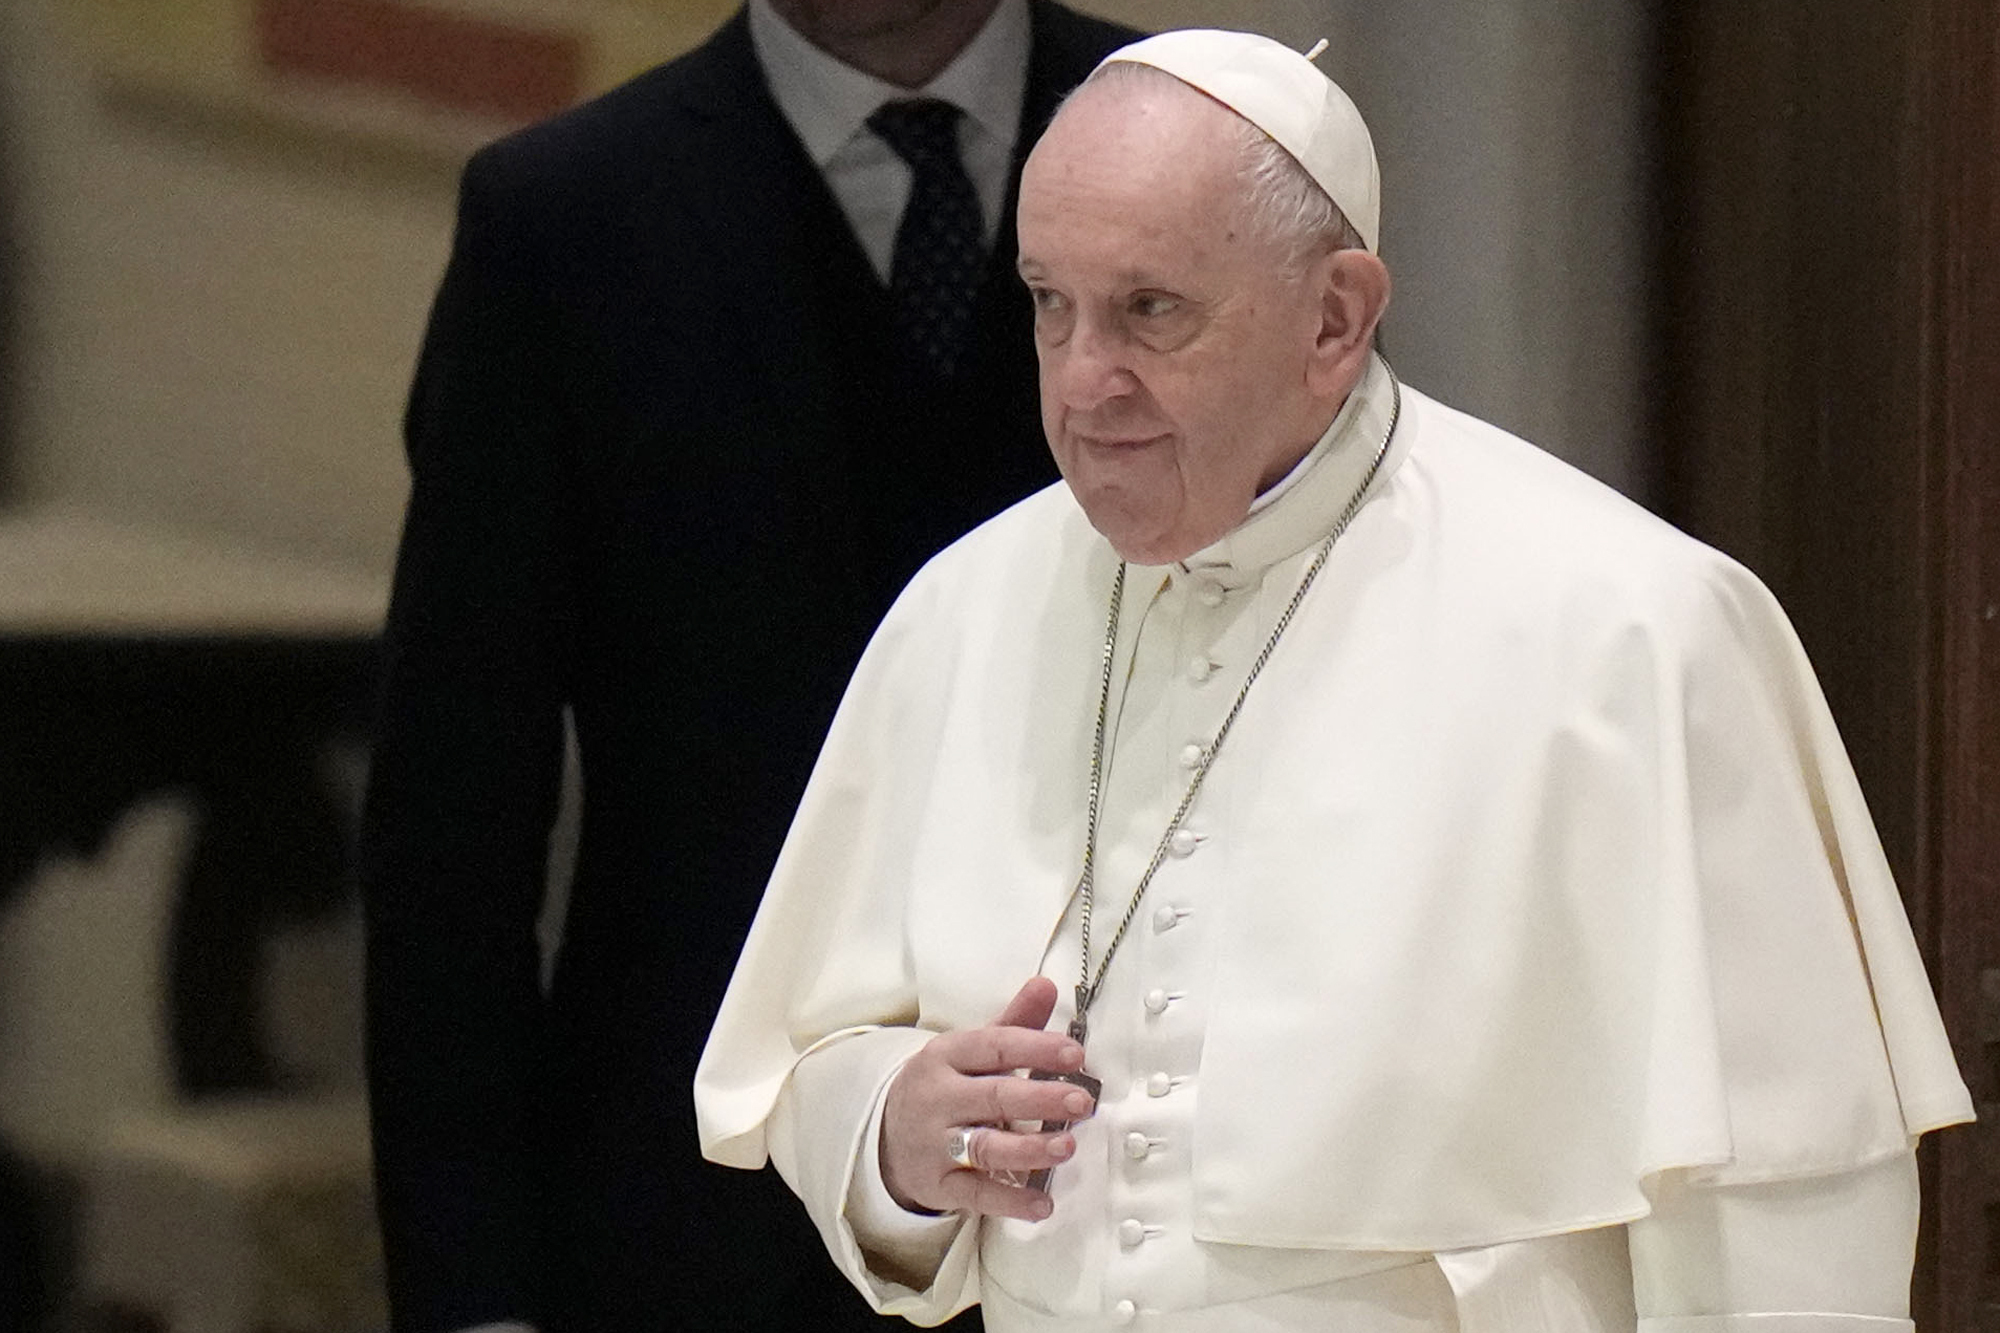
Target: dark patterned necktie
{"type": "Point", "coordinates": [935, 272]}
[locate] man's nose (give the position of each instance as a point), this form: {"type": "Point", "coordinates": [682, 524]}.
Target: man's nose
{"type": "Point", "coordinates": [1091, 369]}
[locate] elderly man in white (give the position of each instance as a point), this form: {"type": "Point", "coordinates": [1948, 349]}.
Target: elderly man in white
{"type": "Point", "coordinates": [1465, 913]}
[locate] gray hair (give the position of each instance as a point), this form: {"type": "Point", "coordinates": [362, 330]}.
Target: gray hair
{"type": "Point", "coordinates": [1283, 206]}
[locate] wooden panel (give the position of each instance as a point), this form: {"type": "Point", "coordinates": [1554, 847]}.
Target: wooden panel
{"type": "Point", "coordinates": [513, 71]}
{"type": "Point", "coordinates": [437, 76]}
{"type": "Point", "coordinates": [1958, 86]}
{"type": "Point", "coordinates": [1791, 362]}
{"type": "Point", "coordinates": [1831, 416]}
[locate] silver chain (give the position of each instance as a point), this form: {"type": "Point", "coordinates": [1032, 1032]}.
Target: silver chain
{"type": "Point", "coordinates": [1087, 986]}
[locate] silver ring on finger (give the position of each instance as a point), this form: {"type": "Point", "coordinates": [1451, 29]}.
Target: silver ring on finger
{"type": "Point", "coordinates": [962, 1145]}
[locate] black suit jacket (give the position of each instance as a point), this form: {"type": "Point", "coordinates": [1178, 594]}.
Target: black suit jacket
{"type": "Point", "coordinates": [663, 473]}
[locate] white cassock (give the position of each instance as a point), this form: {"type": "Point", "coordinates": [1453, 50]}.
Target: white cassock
{"type": "Point", "coordinates": [1529, 962]}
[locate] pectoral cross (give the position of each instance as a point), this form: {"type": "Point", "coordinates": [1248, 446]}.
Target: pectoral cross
{"type": "Point", "coordinates": [1079, 1027]}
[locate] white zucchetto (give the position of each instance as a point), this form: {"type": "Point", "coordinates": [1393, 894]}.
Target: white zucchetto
{"type": "Point", "coordinates": [1283, 94]}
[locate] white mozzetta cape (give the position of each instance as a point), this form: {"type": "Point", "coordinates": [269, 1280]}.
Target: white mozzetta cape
{"type": "Point", "coordinates": [1544, 869]}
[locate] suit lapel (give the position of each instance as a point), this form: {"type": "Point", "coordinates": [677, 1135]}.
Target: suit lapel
{"type": "Point", "coordinates": [751, 183]}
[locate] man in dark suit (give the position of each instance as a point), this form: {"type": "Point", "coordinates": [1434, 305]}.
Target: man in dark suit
{"type": "Point", "coordinates": [686, 417]}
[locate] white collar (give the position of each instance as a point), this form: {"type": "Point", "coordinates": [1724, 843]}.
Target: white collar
{"type": "Point", "coordinates": [828, 102]}
{"type": "Point", "coordinates": [1301, 508]}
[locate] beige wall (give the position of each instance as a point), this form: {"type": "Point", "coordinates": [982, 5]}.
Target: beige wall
{"type": "Point", "coordinates": [1517, 201]}
{"type": "Point", "coordinates": [217, 329]}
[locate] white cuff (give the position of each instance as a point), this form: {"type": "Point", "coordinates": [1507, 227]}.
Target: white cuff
{"type": "Point", "coordinates": [891, 1235]}
{"type": "Point", "coordinates": [826, 1116]}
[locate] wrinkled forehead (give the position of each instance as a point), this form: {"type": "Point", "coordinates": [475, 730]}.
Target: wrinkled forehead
{"type": "Point", "coordinates": [1136, 185]}
{"type": "Point", "coordinates": [1139, 101]}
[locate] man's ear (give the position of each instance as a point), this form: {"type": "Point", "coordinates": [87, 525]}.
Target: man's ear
{"type": "Point", "coordinates": [1354, 294]}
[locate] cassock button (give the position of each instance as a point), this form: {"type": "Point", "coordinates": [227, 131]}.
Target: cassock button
{"type": "Point", "coordinates": [1200, 670]}
{"type": "Point", "coordinates": [1183, 842]}
{"type": "Point", "coordinates": [1165, 919]}
{"type": "Point", "coordinates": [1191, 756]}
{"type": "Point", "coordinates": [1159, 1083]}
{"type": "Point", "coordinates": [1131, 1232]}
{"type": "Point", "coordinates": [1211, 594]}
{"type": "Point", "coordinates": [1137, 1146]}
{"type": "Point", "coordinates": [1124, 1312]}
{"type": "Point", "coordinates": [1156, 1001]}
